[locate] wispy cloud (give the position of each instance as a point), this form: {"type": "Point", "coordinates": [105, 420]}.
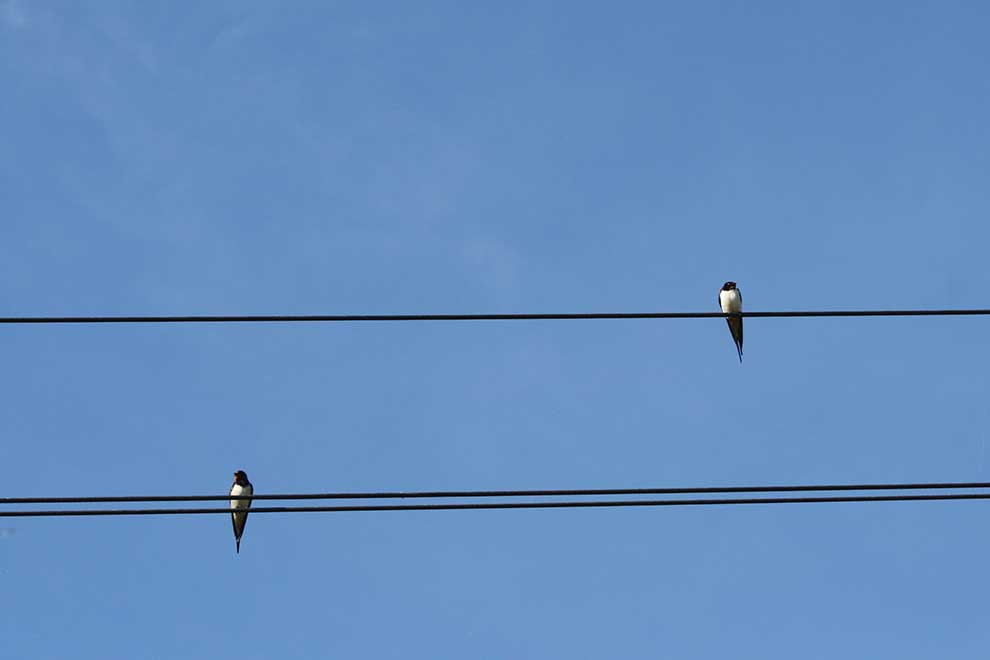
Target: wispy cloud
{"type": "Point", "coordinates": [13, 15]}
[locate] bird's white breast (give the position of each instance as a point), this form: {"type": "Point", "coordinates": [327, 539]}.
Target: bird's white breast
{"type": "Point", "coordinates": [238, 489]}
{"type": "Point", "coordinates": [730, 301]}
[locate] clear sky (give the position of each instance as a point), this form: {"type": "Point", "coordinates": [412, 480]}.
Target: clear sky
{"type": "Point", "coordinates": [350, 157]}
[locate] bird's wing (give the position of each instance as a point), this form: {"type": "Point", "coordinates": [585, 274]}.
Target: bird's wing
{"type": "Point", "coordinates": [736, 326]}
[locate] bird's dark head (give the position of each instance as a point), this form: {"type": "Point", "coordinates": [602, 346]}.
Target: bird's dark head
{"type": "Point", "coordinates": [240, 477]}
{"type": "Point", "coordinates": [728, 286]}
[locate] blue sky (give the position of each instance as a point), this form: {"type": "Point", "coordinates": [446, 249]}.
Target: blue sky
{"type": "Point", "coordinates": [316, 157]}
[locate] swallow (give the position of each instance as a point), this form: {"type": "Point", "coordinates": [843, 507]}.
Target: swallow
{"type": "Point", "coordinates": [241, 486]}
{"type": "Point", "coordinates": [730, 300]}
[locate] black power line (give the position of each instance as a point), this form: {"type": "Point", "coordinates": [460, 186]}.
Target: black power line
{"type": "Point", "coordinates": [456, 494]}
{"type": "Point", "coordinates": [476, 317]}
{"type": "Point", "coordinates": [506, 505]}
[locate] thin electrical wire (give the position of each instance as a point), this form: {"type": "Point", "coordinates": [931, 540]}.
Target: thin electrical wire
{"type": "Point", "coordinates": [477, 317]}
{"type": "Point", "coordinates": [471, 494]}
{"type": "Point", "coordinates": [505, 505]}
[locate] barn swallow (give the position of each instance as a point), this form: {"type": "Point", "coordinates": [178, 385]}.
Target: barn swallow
{"type": "Point", "coordinates": [241, 486]}
{"type": "Point", "coordinates": [730, 300]}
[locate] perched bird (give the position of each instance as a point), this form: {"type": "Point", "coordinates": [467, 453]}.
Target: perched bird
{"type": "Point", "coordinates": [730, 300]}
{"type": "Point", "coordinates": [238, 508]}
